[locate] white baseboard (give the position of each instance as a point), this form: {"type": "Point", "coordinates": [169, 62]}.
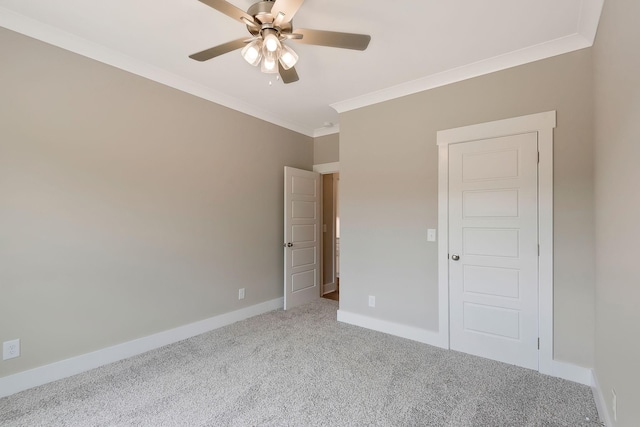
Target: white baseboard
{"type": "Point", "coordinates": [404, 331]}
{"type": "Point", "coordinates": [75, 365]}
{"type": "Point", "coordinates": [570, 372]}
{"type": "Point", "coordinates": [601, 403]}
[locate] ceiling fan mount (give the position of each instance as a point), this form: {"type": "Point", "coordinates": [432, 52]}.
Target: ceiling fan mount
{"type": "Point", "coordinates": [261, 12]}
{"type": "Point", "coordinates": [270, 24]}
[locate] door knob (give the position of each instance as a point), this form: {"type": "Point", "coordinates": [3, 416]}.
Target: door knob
{"type": "Point", "coordinates": [455, 257]}
{"type": "Point", "coordinates": [288, 245]}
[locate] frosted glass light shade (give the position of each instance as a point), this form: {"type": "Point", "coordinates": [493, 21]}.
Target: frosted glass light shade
{"type": "Point", "coordinates": [271, 41]}
{"type": "Point", "coordinates": [288, 57]}
{"type": "Point", "coordinates": [269, 62]}
{"type": "Point", "coordinates": [252, 53]}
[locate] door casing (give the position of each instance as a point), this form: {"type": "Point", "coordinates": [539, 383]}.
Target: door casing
{"type": "Point", "coordinates": [543, 124]}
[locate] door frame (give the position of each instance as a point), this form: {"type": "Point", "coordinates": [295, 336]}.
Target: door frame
{"type": "Point", "coordinates": [543, 124]}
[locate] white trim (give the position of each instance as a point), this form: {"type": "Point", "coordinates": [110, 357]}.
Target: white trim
{"type": "Point", "coordinates": [583, 38]}
{"type": "Point", "coordinates": [545, 240]}
{"type": "Point", "coordinates": [590, 12]}
{"type": "Point", "coordinates": [324, 131]}
{"type": "Point", "coordinates": [326, 168]}
{"type": "Point", "coordinates": [78, 364]}
{"type": "Point", "coordinates": [399, 330]}
{"type": "Point", "coordinates": [511, 126]}
{"type": "Point", "coordinates": [81, 46]}
{"type": "Point", "coordinates": [601, 403]}
{"type": "Point", "coordinates": [570, 372]}
{"type": "Point", "coordinates": [543, 124]}
{"type": "Point", "coordinates": [443, 243]}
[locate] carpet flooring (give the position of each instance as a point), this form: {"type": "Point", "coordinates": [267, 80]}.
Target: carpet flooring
{"type": "Point", "coordinates": [302, 368]}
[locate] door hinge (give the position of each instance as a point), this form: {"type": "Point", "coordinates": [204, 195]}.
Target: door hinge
{"type": "Point", "coordinates": [538, 250]}
{"type": "Point", "coordinates": [538, 157]}
{"type": "Point", "coordinates": [538, 343]}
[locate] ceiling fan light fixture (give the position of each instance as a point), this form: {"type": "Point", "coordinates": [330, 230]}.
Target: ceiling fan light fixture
{"type": "Point", "coordinates": [269, 63]}
{"type": "Point", "coordinates": [270, 37]}
{"type": "Point", "coordinates": [288, 58]}
{"type": "Point", "coordinates": [252, 53]}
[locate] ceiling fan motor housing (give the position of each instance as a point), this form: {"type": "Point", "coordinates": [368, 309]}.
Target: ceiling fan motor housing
{"type": "Point", "coordinates": [261, 12]}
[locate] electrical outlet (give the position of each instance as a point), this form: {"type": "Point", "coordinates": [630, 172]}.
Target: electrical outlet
{"type": "Point", "coordinates": [614, 404]}
{"type": "Point", "coordinates": [10, 349]}
{"type": "Point", "coordinates": [241, 293]}
{"type": "Point", "coordinates": [372, 301]}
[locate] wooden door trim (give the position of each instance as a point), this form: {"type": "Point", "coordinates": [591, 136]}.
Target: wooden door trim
{"type": "Point", "coordinates": [543, 124]}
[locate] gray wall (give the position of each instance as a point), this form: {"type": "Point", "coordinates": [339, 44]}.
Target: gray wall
{"type": "Point", "coordinates": [326, 149]}
{"type": "Point", "coordinates": [126, 207]}
{"type": "Point", "coordinates": [388, 193]}
{"type": "Point", "coordinates": [617, 139]}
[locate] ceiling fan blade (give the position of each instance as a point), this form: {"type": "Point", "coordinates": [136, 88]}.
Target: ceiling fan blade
{"type": "Point", "coordinates": [288, 76]}
{"type": "Point", "coordinates": [207, 54]}
{"type": "Point", "coordinates": [334, 39]}
{"type": "Point", "coordinates": [283, 10]}
{"type": "Point", "coordinates": [230, 10]}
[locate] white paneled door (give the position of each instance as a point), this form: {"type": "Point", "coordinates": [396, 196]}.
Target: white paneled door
{"type": "Point", "coordinates": [493, 248]}
{"type": "Point", "coordinates": [301, 237]}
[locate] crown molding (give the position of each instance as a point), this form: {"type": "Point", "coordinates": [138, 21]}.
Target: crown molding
{"type": "Point", "coordinates": [584, 37]}
{"type": "Point", "coordinates": [590, 12]}
{"type": "Point", "coordinates": [56, 37]}
{"type": "Point", "coordinates": [324, 131]}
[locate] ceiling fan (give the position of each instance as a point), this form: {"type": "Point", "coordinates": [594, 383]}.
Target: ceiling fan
{"type": "Point", "coordinates": [270, 24]}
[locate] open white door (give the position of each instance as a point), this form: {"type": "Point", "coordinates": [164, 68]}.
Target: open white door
{"type": "Point", "coordinates": [301, 237]}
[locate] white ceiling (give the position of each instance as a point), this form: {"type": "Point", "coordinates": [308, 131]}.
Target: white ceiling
{"type": "Point", "coordinates": [415, 45]}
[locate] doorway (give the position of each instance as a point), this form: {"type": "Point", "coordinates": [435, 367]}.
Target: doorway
{"type": "Point", "coordinates": [330, 237]}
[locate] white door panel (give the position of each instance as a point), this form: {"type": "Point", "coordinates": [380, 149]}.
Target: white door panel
{"type": "Point", "coordinates": [489, 165]}
{"type": "Point", "coordinates": [490, 203]}
{"type": "Point", "coordinates": [304, 233]}
{"type": "Point", "coordinates": [304, 185]}
{"type": "Point", "coordinates": [303, 280]}
{"type": "Point", "coordinates": [302, 209]}
{"type": "Point", "coordinates": [493, 228]}
{"type": "Point", "coordinates": [494, 242]}
{"type": "Point", "coordinates": [496, 281]}
{"type": "Point", "coordinates": [301, 237]}
{"type": "Point", "coordinates": [303, 257]}
{"type": "Point", "coordinates": [497, 321]}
